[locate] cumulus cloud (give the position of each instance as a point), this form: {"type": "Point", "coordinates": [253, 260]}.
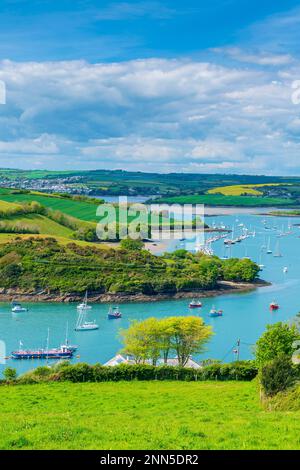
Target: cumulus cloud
{"type": "Point", "coordinates": [152, 114]}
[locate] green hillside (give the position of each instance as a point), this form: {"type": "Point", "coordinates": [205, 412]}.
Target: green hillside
{"type": "Point", "coordinates": [43, 224]}
{"type": "Point", "coordinates": [24, 220]}
{"type": "Point", "coordinates": [79, 209]}
{"type": "Point", "coordinates": [143, 415]}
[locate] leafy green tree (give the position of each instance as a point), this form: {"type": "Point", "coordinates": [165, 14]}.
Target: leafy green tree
{"type": "Point", "coordinates": [189, 335]}
{"type": "Point", "coordinates": [142, 340]}
{"type": "Point", "coordinates": [241, 270]}
{"type": "Point", "coordinates": [152, 339]}
{"type": "Point", "coordinates": [277, 340]}
{"type": "Point", "coordinates": [10, 374]}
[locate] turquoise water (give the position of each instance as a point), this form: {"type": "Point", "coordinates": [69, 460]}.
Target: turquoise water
{"type": "Point", "coordinates": [245, 315]}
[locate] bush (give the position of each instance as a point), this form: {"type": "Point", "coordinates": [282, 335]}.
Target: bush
{"type": "Point", "coordinates": [244, 370]}
{"type": "Point", "coordinates": [10, 374]}
{"type": "Point", "coordinates": [277, 375]}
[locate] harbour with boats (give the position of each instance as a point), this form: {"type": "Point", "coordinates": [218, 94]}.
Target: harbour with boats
{"type": "Point", "coordinates": [86, 332]}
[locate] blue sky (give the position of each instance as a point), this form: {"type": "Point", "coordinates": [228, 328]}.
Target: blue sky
{"type": "Point", "coordinates": [196, 86]}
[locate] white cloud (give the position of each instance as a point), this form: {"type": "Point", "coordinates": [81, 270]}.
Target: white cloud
{"type": "Point", "coordinates": [163, 115]}
{"type": "Point", "coordinates": [259, 58]}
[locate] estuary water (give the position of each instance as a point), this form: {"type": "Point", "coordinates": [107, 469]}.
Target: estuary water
{"type": "Point", "coordinates": [245, 314]}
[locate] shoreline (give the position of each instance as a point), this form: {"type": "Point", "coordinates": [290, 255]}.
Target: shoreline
{"type": "Point", "coordinates": [224, 287]}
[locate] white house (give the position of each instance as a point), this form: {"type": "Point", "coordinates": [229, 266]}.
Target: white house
{"type": "Point", "coordinates": [119, 359]}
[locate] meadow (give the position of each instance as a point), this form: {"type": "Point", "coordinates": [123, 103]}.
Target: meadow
{"type": "Point", "coordinates": [82, 210]}
{"type": "Point", "coordinates": [221, 200]}
{"type": "Point", "coordinates": [143, 415]}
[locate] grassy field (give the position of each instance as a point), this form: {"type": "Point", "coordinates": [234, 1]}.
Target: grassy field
{"type": "Point", "coordinates": [221, 200]}
{"type": "Point", "coordinates": [81, 210]}
{"type": "Point", "coordinates": [43, 224]}
{"type": "Point", "coordinates": [143, 415]}
{"type": "Point", "coordinates": [238, 190]}
{"type": "Point", "coordinates": [8, 206]}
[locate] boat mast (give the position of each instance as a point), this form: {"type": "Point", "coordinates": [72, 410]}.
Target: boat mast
{"type": "Point", "coordinates": [47, 346]}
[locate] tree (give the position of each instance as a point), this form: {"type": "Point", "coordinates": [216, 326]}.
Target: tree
{"type": "Point", "coordinates": [152, 339]}
{"type": "Point", "coordinates": [10, 374]}
{"type": "Point", "coordinates": [189, 335]}
{"type": "Point", "coordinates": [142, 340]}
{"type": "Point", "coordinates": [277, 375]}
{"type": "Point", "coordinates": [277, 340]}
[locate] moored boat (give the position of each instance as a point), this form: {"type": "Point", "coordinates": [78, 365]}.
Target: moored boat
{"type": "Point", "coordinates": [274, 305]}
{"type": "Point", "coordinates": [56, 353]}
{"type": "Point", "coordinates": [84, 325]}
{"type": "Point", "coordinates": [87, 326]}
{"type": "Point", "coordinates": [18, 308]}
{"type": "Point", "coordinates": [84, 305]}
{"type": "Point", "coordinates": [215, 313]}
{"type": "Point", "coordinates": [114, 313]}
{"type": "Point", "coordinates": [195, 304]}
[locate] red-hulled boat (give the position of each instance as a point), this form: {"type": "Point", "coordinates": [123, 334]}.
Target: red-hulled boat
{"type": "Point", "coordinates": [274, 306]}
{"type": "Point", "coordinates": [195, 304]}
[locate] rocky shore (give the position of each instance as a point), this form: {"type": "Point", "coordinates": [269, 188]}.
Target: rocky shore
{"type": "Point", "coordinates": [224, 287]}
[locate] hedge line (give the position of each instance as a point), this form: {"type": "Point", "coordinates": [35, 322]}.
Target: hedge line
{"type": "Point", "coordinates": [244, 370]}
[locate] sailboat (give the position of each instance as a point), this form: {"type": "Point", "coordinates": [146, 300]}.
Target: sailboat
{"type": "Point", "coordinates": [84, 325]}
{"type": "Point", "coordinates": [277, 253]}
{"type": "Point", "coordinates": [261, 265]}
{"type": "Point", "coordinates": [269, 251]}
{"type": "Point", "coordinates": [84, 304]}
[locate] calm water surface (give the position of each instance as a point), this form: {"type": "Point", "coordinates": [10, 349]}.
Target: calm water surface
{"type": "Point", "coordinates": [245, 315]}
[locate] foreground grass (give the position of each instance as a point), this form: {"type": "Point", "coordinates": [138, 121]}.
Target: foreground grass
{"type": "Point", "coordinates": [142, 415]}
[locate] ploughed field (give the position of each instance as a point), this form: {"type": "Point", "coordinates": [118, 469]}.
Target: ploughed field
{"type": "Point", "coordinates": [143, 415]}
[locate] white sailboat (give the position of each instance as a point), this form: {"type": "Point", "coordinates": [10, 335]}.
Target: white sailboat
{"type": "Point", "coordinates": [84, 305]}
{"type": "Point", "coordinates": [261, 265]}
{"type": "Point", "coordinates": [277, 253]}
{"type": "Point", "coordinates": [269, 251]}
{"type": "Point", "coordinates": [84, 325]}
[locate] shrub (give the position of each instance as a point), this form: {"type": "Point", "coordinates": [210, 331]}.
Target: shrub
{"type": "Point", "coordinates": [277, 375]}
{"type": "Point", "coordinates": [10, 374]}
